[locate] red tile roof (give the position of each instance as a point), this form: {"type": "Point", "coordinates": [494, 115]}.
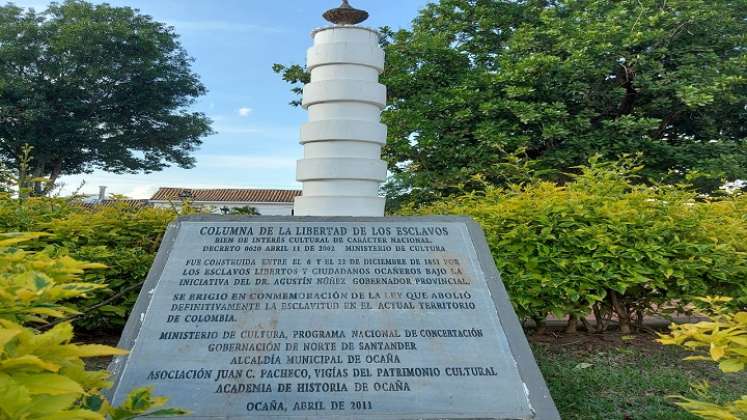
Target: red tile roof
{"type": "Point", "coordinates": [227, 195]}
{"type": "Point", "coordinates": [126, 202]}
{"type": "Point", "coordinates": [136, 204]}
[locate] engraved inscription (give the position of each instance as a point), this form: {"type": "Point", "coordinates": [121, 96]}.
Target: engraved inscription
{"type": "Point", "coordinates": [312, 319]}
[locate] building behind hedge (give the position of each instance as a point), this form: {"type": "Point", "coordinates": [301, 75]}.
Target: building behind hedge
{"type": "Point", "coordinates": [220, 201]}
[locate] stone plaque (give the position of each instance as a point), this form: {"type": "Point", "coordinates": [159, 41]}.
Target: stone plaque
{"type": "Point", "coordinates": [319, 318]}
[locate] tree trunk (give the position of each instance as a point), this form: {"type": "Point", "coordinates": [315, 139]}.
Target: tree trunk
{"type": "Point", "coordinates": [53, 176]}
{"type": "Point", "coordinates": [42, 188]}
{"type": "Point", "coordinates": [665, 122]}
{"type": "Point", "coordinates": [621, 310]}
{"type": "Point", "coordinates": [640, 314]}
{"type": "Point", "coordinates": [572, 326]}
{"type": "Point", "coordinates": [36, 188]}
{"type": "Point", "coordinates": [601, 319]}
{"type": "Point", "coordinates": [631, 93]}
{"type": "Point", "coordinates": [587, 325]}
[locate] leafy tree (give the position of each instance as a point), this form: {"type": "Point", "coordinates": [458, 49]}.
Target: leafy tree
{"type": "Point", "coordinates": [474, 82]}
{"type": "Point", "coordinates": [95, 87]}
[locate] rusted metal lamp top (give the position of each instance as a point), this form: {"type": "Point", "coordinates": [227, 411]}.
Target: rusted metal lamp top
{"type": "Point", "coordinates": [345, 15]}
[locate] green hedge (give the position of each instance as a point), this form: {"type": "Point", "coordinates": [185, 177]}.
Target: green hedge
{"type": "Point", "coordinates": [604, 245]}
{"type": "Point", "coordinates": [596, 244]}
{"type": "Point", "coordinates": [123, 238]}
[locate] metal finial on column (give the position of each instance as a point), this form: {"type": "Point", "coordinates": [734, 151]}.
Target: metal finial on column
{"type": "Point", "coordinates": [345, 15]}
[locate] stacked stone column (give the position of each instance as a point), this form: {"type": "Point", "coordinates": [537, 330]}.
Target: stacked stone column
{"type": "Point", "coordinates": [342, 168]}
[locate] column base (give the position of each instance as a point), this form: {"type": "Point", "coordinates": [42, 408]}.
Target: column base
{"type": "Point", "coordinates": [339, 206]}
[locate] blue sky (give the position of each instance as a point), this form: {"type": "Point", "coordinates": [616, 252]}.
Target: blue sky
{"type": "Point", "coordinates": [235, 43]}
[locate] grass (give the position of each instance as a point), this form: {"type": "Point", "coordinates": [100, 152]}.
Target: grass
{"type": "Point", "coordinates": [611, 377]}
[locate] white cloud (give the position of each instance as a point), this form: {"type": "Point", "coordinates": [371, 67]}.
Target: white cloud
{"type": "Point", "coordinates": [245, 111]}
{"type": "Point", "coordinates": [142, 191]}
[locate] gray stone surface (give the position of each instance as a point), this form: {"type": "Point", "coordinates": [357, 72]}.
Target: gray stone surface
{"type": "Point", "coordinates": [318, 318]}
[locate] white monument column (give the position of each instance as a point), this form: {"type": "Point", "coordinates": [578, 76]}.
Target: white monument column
{"type": "Point", "coordinates": [342, 168]}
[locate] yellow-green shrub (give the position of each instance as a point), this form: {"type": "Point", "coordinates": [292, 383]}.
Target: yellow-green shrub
{"type": "Point", "coordinates": [602, 242]}
{"type": "Point", "coordinates": [126, 239]}
{"type": "Point", "coordinates": [724, 337]}
{"type": "Point", "coordinates": [723, 340]}
{"type": "Point", "coordinates": [123, 238]}
{"type": "Point", "coordinates": [43, 375]}
{"type": "Point", "coordinates": [32, 283]}
{"type": "Point", "coordinates": [141, 403]}
{"type": "Point", "coordinates": [736, 410]}
{"type": "Point", "coordinates": [28, 215]}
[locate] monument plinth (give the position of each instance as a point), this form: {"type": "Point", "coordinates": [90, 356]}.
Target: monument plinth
{"type": "Point", "coordinates": [330, 318]}
{"type": "Point", "coordinates": [347, 318]}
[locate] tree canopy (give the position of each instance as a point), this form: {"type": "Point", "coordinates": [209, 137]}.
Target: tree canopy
{"type": "Point", "coordinates": [95, 87]}
{"type": "Point", "coordinates": [475, 83]}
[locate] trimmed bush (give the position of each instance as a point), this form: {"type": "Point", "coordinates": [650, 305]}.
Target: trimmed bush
{"type": "Point", "coordinates": [604, 244]}
{"type": "Point", "coordinates": [123, 238]}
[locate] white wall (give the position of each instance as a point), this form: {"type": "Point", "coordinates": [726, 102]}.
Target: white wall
{"type": "Point", "coordinates": [264, 209]}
